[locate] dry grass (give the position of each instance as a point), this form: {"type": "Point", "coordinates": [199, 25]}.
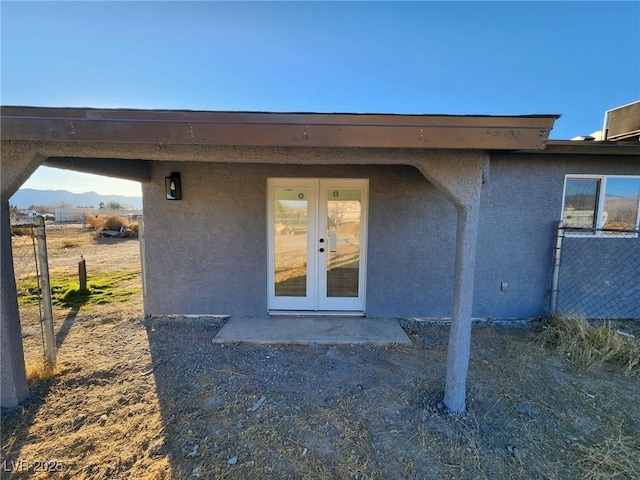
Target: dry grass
{"type": "Point", "coordinates": [70, 244]}
{"type": "Point", "coordinates": [615, 457]}
{"type": "Point", "coordinates": [23, 231]}
{"type": "Point", "coordinates": [39, 371]}
{"type": "Point", "coordinates": [587, 347]}
{"type": "Point", "coordinates": [317, 442]}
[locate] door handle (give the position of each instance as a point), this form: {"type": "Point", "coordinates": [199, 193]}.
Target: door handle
{"type": "Point", "coordinates": [333, 242]}
{"type": "Point", "coordinates": [321, 250]}
{"type": "Point", "coordinates": [322, 240]}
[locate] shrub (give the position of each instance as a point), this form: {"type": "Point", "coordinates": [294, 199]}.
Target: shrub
{"type": "Point", "coordinates": [39, 371]}
{"type": "Point", "coordinates": [94, 222]}
{"type": "Point", "coordinates": [114, 223]}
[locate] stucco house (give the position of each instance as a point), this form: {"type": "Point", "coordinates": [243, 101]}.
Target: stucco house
{"type": "Point", "coordinates": [256, 214]}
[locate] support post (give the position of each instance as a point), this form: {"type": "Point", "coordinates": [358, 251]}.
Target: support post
{"type": "Point", "coordinates": [13, 380]}
{"type": "Point", "coordinates": [45, 288]}
{"type": "Point", "coordinates": [459, 176]}
{"type": "Point", "coordinates": [460, 334]}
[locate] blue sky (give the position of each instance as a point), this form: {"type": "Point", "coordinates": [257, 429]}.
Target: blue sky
{"type": "Point", "coordinates": [577, 59]}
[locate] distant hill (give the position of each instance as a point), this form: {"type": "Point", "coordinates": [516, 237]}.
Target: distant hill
{"type": "Point", "coordinates": [29, 196]}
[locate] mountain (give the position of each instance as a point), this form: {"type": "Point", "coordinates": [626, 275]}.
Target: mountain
{"type": "Point", "coordinates": [25, 197]}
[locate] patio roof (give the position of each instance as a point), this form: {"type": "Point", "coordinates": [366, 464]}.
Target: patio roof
{"type": "Point", "coordinates": [185, 127]}
{"type": "Point", "coordinates": [586, 147]}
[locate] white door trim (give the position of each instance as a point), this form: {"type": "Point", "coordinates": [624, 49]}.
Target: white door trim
{"type": "Point", "coordinates": [316, 300]}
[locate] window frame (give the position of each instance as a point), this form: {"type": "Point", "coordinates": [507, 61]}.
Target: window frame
{"type": "Point", "coordinates": [600, 201]}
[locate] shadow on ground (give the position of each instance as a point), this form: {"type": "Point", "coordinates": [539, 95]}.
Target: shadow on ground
{"type": "Point", "coordinates": [16, 422]}
{"type": "Point", "coordinates": [242, 410]}
{"type": "Point", "coordinates": [67, 323]}
{"type": "Point", "coordinates": [239, 411]}
{"type": "Point", "coordinates": [157, 399]}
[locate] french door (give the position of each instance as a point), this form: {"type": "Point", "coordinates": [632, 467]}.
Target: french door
{"type": "Point", "coordinates": [317, 244]}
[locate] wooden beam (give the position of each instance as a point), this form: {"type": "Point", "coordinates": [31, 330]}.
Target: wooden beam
{"type": "Point", "coordinates": [277, 129]}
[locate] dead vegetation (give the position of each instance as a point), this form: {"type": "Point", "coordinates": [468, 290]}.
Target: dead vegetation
{"type": "Point", "coordinates": [156, 399]}
{"type": "Point", "coordinates": [586, 346]}
{"type": "Point", "coordinates": [23, 231]}
{"type": "Point", "coordinates": [617, 456]}
{"type": "Point", "coordinates": [38, 370]}
{"type": "Point", "coordinates": [103, 224]}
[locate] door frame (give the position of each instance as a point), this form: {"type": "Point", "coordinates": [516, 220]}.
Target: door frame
{"type": "Point", "coordinates": [310, 305]}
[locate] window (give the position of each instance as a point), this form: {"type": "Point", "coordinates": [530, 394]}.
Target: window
{"type": "Point", "coordinates": [608, 202]}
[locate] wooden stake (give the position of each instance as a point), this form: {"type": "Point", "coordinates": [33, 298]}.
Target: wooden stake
{"type": "Point", "coordinates": [82, 274]}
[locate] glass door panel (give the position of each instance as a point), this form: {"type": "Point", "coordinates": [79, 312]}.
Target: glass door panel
{"type": "Point", "coordinates": [317, 244]}
{"type": "Point", "coordinates": [290, 229]}
{"type": "Point", "coordinates": [342, 215]}
{"type": "Point", "coordinates": [344, 208]}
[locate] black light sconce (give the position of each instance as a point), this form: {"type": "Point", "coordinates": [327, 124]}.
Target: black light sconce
{"type": "Point", "coordinates": [173, 186]}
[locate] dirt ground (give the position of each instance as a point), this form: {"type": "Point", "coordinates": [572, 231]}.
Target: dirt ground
{"type": "Point", "coordinates": [155, 398]}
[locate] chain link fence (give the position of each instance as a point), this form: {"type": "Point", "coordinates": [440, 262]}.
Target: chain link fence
{"type": "Point", "coordinates": [28, 245]}
{"type": "Point", "coordinates": [596, 273]}
{"type": "Point", "coordinates": [27, 272]}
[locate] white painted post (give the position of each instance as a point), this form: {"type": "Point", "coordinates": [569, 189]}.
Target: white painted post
{"type": "Point", "coordinates": [45, 288]}
{"type": "Point", "coordinates": [460, 333]}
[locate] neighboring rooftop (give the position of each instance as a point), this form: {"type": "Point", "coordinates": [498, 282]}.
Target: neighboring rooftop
{"type": "Point", "coordinates": [622, 123]}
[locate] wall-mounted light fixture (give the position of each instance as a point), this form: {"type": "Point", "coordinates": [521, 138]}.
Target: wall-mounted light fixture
{"type": "Point", "coordinates": [173, 187]}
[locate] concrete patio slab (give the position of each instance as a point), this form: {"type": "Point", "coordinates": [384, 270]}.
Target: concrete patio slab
{"type": "Point", "coordinates": [310, 330]}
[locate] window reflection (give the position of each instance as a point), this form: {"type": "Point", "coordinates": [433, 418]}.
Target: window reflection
{"type": "Point", "coordinates": [344, 210]}
{"type": "Point", "coordinates": [621, 203]}
{"type": "Point", "coordinates": [581, 202]}
{"type": "Point", "coordinates": [290, 241]}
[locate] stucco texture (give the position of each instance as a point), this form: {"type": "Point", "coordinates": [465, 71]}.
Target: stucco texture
{"type": "Point", "coordinates": [207, 254]}
{"type": "Point", "coordinates": [520, 208]}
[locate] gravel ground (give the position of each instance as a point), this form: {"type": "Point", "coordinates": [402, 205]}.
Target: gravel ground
{"type": "Point", "coordinates": [156, 398]}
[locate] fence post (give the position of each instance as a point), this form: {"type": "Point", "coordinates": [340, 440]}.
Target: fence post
{"type": "Point", "coordinates": [82, 273]}
{"type": "Point", "coordinates": [553, 307]}
{"type": "Point", "coordinates": [45, 288]}
{"type": "Point", "coordinates": [143, 262]}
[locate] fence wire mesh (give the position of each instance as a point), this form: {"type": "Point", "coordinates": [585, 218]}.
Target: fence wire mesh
{"type": "Point", "coordinates": [598, 273]}
{"type": "Point", "coordinates": [27, 273]}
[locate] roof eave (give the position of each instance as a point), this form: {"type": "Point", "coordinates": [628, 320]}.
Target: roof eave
{"type": "Point", "coordinates": [277, 129]}
{"type": "Point", "coordinates": [574, 147]}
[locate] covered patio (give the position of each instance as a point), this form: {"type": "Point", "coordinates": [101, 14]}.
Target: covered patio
{"type": "Point", "coordinates": [451, 152]}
